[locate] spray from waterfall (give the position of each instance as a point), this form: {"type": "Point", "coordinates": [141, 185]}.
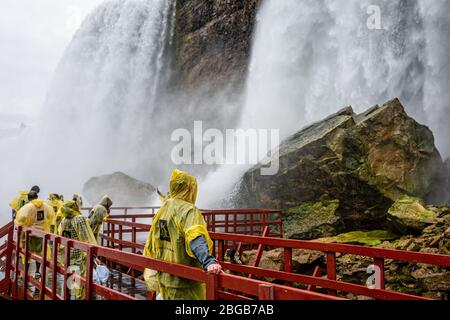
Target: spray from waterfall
{"type": "Point", "coordinates": [96, 116]}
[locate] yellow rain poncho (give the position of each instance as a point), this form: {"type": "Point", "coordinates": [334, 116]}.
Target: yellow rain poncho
{"type": "Point", "coordinates": [75, 226]}
{"type": "Point", "coordinates": [175, 225]}
{"type": "Point", "coordinates": [99, 214]}
{"type": "Point", "coordinates": [38, 215]}
{"type": "Point", "coordinates": [19, 201]}
{"type": "Point", "coordinates": [56, 203]}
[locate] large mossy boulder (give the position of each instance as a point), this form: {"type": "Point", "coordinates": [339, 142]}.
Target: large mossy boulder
{"type": "Point", "coordinates": [312, 220]}
{"type": "Point", "coordinates": [366, 161]}
{"type": "Point", "coordinates": [408, 216]}
{"type": "Point", "coordinates": [121, 188]}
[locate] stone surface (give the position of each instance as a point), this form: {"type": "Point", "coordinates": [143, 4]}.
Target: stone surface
{"type": "Point", "coordinates": [212, 41]}
{"type": "Point", "coordinates": [447, 174]}
{"type": "Point", "coordinates": [365, 161]}
{"type": "Point", "coordinates": [312, 220]}
{"type": "Point", "coordinates": [408, 216]}
{"type": "Point", "coordinates": [122, 189]}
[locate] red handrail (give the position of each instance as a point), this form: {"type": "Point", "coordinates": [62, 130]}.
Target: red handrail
{"type": "Point", "coordinates": [330, 249]}
{"type": "Point", "coordinates": [216, 285]}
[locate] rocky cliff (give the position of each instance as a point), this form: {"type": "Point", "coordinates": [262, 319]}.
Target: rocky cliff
{"type": "Point", "coordinates": [212, 41]}
{"type": "Point", "coordinates": [121, 188]}
{"type": "Point", "coordinates": [366, 161]}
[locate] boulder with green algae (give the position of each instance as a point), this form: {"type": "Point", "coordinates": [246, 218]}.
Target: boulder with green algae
{"type": "Point", "coordinates": [312, 220]}
{"type": "Point", "coordinates": [409, 216]}
{"type": "Point", "coordinates": [371, 238]}
{"type": "Point", "coordinates": [367, 161]}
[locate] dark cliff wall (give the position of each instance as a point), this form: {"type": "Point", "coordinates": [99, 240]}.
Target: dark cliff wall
{"type": "Point", "coordinates": [212, 41]}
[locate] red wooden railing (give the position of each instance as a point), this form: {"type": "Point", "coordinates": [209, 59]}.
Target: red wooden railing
{"type": "Point", "coordinates": [127, 227]}
{"type": "Point", "coordinates": [224, 240]}
{"type": "Point", "coordinates": [217, 286]}
{"type": "Point", "coordinates": [224, 286]}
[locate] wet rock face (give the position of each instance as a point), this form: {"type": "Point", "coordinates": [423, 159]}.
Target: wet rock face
{"type": "Point", "coordinates": [312, 220]}
{"type": "Point", "coordinates": [408, 216]}
{"type": "Point", "coordinates": [447, 175]}
{"type": "Point", "coordinates": [365, 161]}
{"type": "Point", "coordinates": [121, 188]}
{"type": "Point", "coordinates": [212, 40]}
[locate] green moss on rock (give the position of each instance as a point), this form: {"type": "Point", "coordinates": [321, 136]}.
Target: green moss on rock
{"type": "Point", "coordinates": [408, 215]}
{"type": "Point", "coordinates": [312, 220]}
{"type": "Point", "coordinates": [371, 238]}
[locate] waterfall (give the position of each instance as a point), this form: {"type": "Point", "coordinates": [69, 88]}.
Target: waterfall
{"type": "Point", "coordinates": [311, 57]}
{"type": "Point", "coordinates": [97, 115]}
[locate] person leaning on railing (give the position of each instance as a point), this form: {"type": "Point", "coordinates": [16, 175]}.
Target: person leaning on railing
{"type": "Point", "coordinates": [75, 226]}
{"type": "Point", "coordinates": [36, 214]}
{"type": "Point", "coordinates": [179, 235]}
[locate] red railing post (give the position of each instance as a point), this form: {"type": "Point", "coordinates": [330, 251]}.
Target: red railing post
{"type": "Point", "coordinates": [26, 265]}
{"type": "Point", "coordinates": [287, 262]}
{"type": "Point", "coordinates": [212, 286]}
{"type": "Point", "coordinates": [56, 243]}
{"type": "Point", "coordinates": [331, 268]}
{"type": "Point", "coordinates": [221, 251]}
{"type": "Point", "coordinates": [113, 236]}
{"type": "Point", "coordinates": [133, 235]}
{"type": "Point", "coordinates": [67, 248]}
{"type": "Point", "coordinates": [120, 237]}
{"type": "Point", "coordinates": [17, 263]}
{"type": "Point", "coordinates": [89, 273]}
{"type": "Point", "coordinates": [44, 267]}
{"type": "Point", "coordinates": [108, 232]}
{"type": "Point", "coordinates": [9, 252]}
{"type": "Point", "coordinates": [226, 222]}
{"type": "Point", "coordinates": [288, 259]}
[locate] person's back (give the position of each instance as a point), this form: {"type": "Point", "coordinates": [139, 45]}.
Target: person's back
{"type": "Point", "coordinates": [75, 226]}
{"type": "Point", "coordinates": [179, 235]}
{"type": "Point", "coordinates": [21, 200]}
{"type": "Point", "coordinates": [56, 203]}
{"type": "Point", "coordinates": [170, 229]}
{"type": "Point", "coordinates": [99, 214]}
{"type": "Point", "coordinates": [36, 214]}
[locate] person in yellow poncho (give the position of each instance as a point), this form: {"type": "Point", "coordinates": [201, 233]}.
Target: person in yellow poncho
{"type": "Point", "coordinates": [179, 235]}
{"type": "Point", "coordinates": [75, 226]}
{"type": "Point", "coordinates": [99, 214]}
{"type": "Point", "coordinates": [22, 199]}
{"type": "Point", "coordinates": [36, 214]}
{"type": "Point", "coordinates": [55, 201]}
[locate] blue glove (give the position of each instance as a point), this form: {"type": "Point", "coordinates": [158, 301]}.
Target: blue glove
{"type": "Point", "coordinates": [199, 247]}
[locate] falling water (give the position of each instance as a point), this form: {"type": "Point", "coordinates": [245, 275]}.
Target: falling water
{"type": "Point", "coordinates": [312, 57]}
{"type": "Point", "coordinates": [96, 116]}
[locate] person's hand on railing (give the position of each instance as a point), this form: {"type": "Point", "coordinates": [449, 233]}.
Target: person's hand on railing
{"type": "Point", "coordinates": [215, 268]}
